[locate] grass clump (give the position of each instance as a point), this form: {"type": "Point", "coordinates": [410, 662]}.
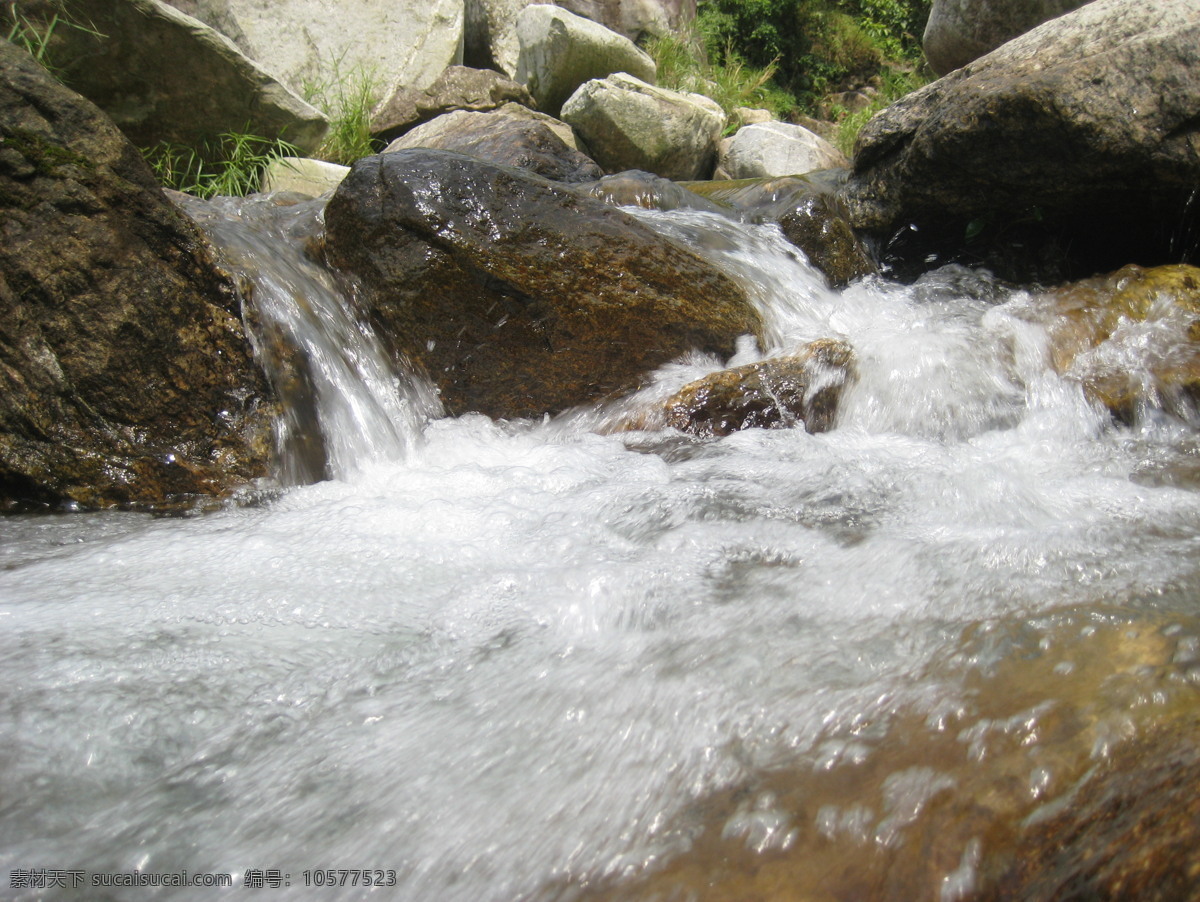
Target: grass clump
{"type": "Point", "coordinates": [233, 166]}
{"type": "Point", "coordinates": [347, 102]}
{"type": "Point", "coordinates": [35, 35]}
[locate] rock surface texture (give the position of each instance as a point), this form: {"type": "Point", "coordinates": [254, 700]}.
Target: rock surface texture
{"type": "Point", "coordinates": [629, 124]}
{"type": "Point", "coordinates": [163, 76]}
{"type": "Point", "coordinates": [560, 51]}
{"type": "Point", "coordinates": [125, 373]}
{"type": "Point", "coordinates": [307, 41]}
{"type": "Point", "coordinates": [1087, 125]}
{"type": "Point", "coordinates": [510, 136]}
{"type": "Point", "coordinates": [770, 149]}
{"type": "Point", "coordinates": [458, 88]}
{"type": "Point", "coordinates": [518, 296]}
{"type": "Point", "coordinates": [959, 31]}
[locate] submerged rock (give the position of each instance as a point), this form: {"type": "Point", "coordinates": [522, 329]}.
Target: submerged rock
{"type": "Point", "coordinates": [1082, 132]}
{"type": "Point", "coordinates": [510, 136]}
{"type": "Point", "coordinates": [1132, 338]}
{"type": "Point", "coordinates": [125, 373]}
{"type": "Point", "coordinates": [799, 390]}
{"type": "Point", "coordinates": [518, 296]}
{"type": "Point", "coordinates": [650, 192]}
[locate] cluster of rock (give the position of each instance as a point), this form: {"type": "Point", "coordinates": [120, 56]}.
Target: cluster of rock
{"type": "Point", "coordinates": [491, 254]}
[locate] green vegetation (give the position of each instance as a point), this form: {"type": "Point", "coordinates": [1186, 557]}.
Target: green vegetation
{"type": "Point", "coordinates": [233, 167]}
{"type": "Point", "coordinates": [348, 102]}
{"type": "Point", "coordinates": [793, 57]}
{"type": "Point", "coordinates": [35, 35]}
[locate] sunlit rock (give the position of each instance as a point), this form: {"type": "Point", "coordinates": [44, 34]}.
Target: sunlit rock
{"type": "Point", "coordinates": [512, 135]}
{"type": "Point", "coordinates": [799, 390]}
{"type": "Point", "coordinates": [313, 42]}
{"type": "Point", "coordinates": [629, 124]}
{"type": "Point", "coordinates": [303, 175]}
{"type": "Point", "coordinates": [1132, 338]}
{"type": "Point", "coordinates": [560, 51]}
{"type": "Point", "coordinates": [457, 88]}
{"type": "Point", "coordinates": [959, 31]}
{"type": "Point", "coordinates": [125, 373]}
{"type": "Point", "coordinates": [517, 295]}
{"type": "Point", "coordinates": [770, 149]}
{"type": "Point", "coordinates": [651, 192]}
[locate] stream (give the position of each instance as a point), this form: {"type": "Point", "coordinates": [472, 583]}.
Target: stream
{"type": "Point", "coordinates": [553, 660]}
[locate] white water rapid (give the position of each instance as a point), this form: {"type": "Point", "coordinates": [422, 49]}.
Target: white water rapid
{"type": "Point", "coordinates": [538, 661]}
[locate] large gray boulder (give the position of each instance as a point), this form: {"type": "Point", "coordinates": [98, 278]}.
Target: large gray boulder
{"type": "Point", "coordinates": [308, 43]}
{"type": "Point", "coordinates": [162, 75]}
{"type": "Point", "coordinates": [1089, 124]}
{"type": "Point", "coordinates": [959, 31]}
{"type": "Point", "coordinates": [491, 36]}
{"type": "Point", "coordinates": [517, 295]}
{"type": "Point", "coordinates": [559, 51]}
{"type": "Point", "coordinates": [771, 149]}
{"type": "Point", "coordinates": [510, 136]}
{"type": "Point", "coordinates": [629, 124]}
{"type": "Point", "coordinates": [457, 88]}
{"type": "Point", "coordinates": [126, 376]}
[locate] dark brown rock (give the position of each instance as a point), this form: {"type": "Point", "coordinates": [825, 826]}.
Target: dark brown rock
{"type": "Point", "coordinates": [457, 88]}
{"type": "Point", "coordinates": [810, 214]}
{"type": "Point", "coordinates": [518, 296]}
{"type": "Point", "coordinates": [526, 140]}
{"type": "Point", "coordinates": [125, 373]}
{"type": "Point", "coordinates": [799, 390]}
{"type": "Point", "coordinates": [1083, 131]}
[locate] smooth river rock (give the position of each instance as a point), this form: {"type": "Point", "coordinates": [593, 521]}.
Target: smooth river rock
{"type": "Point", "coordinates": [959, 31]}
{"type": "Point", "coordinates": [518, 296]}
{"type": "Point", "coordinates": [126, 376]}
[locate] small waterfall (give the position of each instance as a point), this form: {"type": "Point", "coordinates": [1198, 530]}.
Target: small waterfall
{"type": "Point", "coordinates": [346, 405]}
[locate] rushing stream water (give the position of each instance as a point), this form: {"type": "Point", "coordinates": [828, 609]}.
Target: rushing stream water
{"type": "Point", "coordinates": [546, 660]}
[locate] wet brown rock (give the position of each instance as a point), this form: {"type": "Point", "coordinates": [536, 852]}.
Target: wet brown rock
{"type": "Point", "coordinates": [1131, 337]}
{"type": "Point", "coordinates": [125, 373]}
{"type": "Point", "coordinates": [518, 296]}
{"type": "Point", "coordinates": [799, 390]}
{"type": "Point", "coordinates": [810, 214]}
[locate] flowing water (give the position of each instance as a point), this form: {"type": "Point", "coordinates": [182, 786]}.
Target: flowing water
{"type": "Point", "coordinates": [546, 660]}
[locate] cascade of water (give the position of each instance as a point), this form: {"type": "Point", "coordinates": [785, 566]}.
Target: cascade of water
{"type": "Point", "coordinates": [526, 660]}
{"type": "Point", "coordinates": [346, 405]}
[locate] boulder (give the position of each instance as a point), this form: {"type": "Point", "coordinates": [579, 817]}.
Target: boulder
{"type": "Point", "coordinates": [163, 76]}
{"type": "Point", "coordinates": [518, 296]}
{"type": "Point", "coordinates": [302, 175]}
{"type": "Point", "coordinates": [309, 43]}
{"type": "Point", "coordinates": [959, 31]}
{"type": "Point", "coordinates": [491, 35]}
{"type": "Point", "coordinates": [1131, 338]}
{"type": "Point", "coordinates": [807, 211]}
{"type": "Point", "coordinates": [770, 149]}
{"type": "Point", "coordinates": [510, 136]}
{"type": "Point", "coordinates": [559, 51]}
{"type": "Point", "coordinates": [458, 88]}
{"type": "Point", "coordinates": [629, 124]}
{"type": "Point", "coordinates": [798, 390]}
{"type": "Point", "coordinates": [1085, 128]}
{"type": "Point", "coordinates": [126, 376]}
